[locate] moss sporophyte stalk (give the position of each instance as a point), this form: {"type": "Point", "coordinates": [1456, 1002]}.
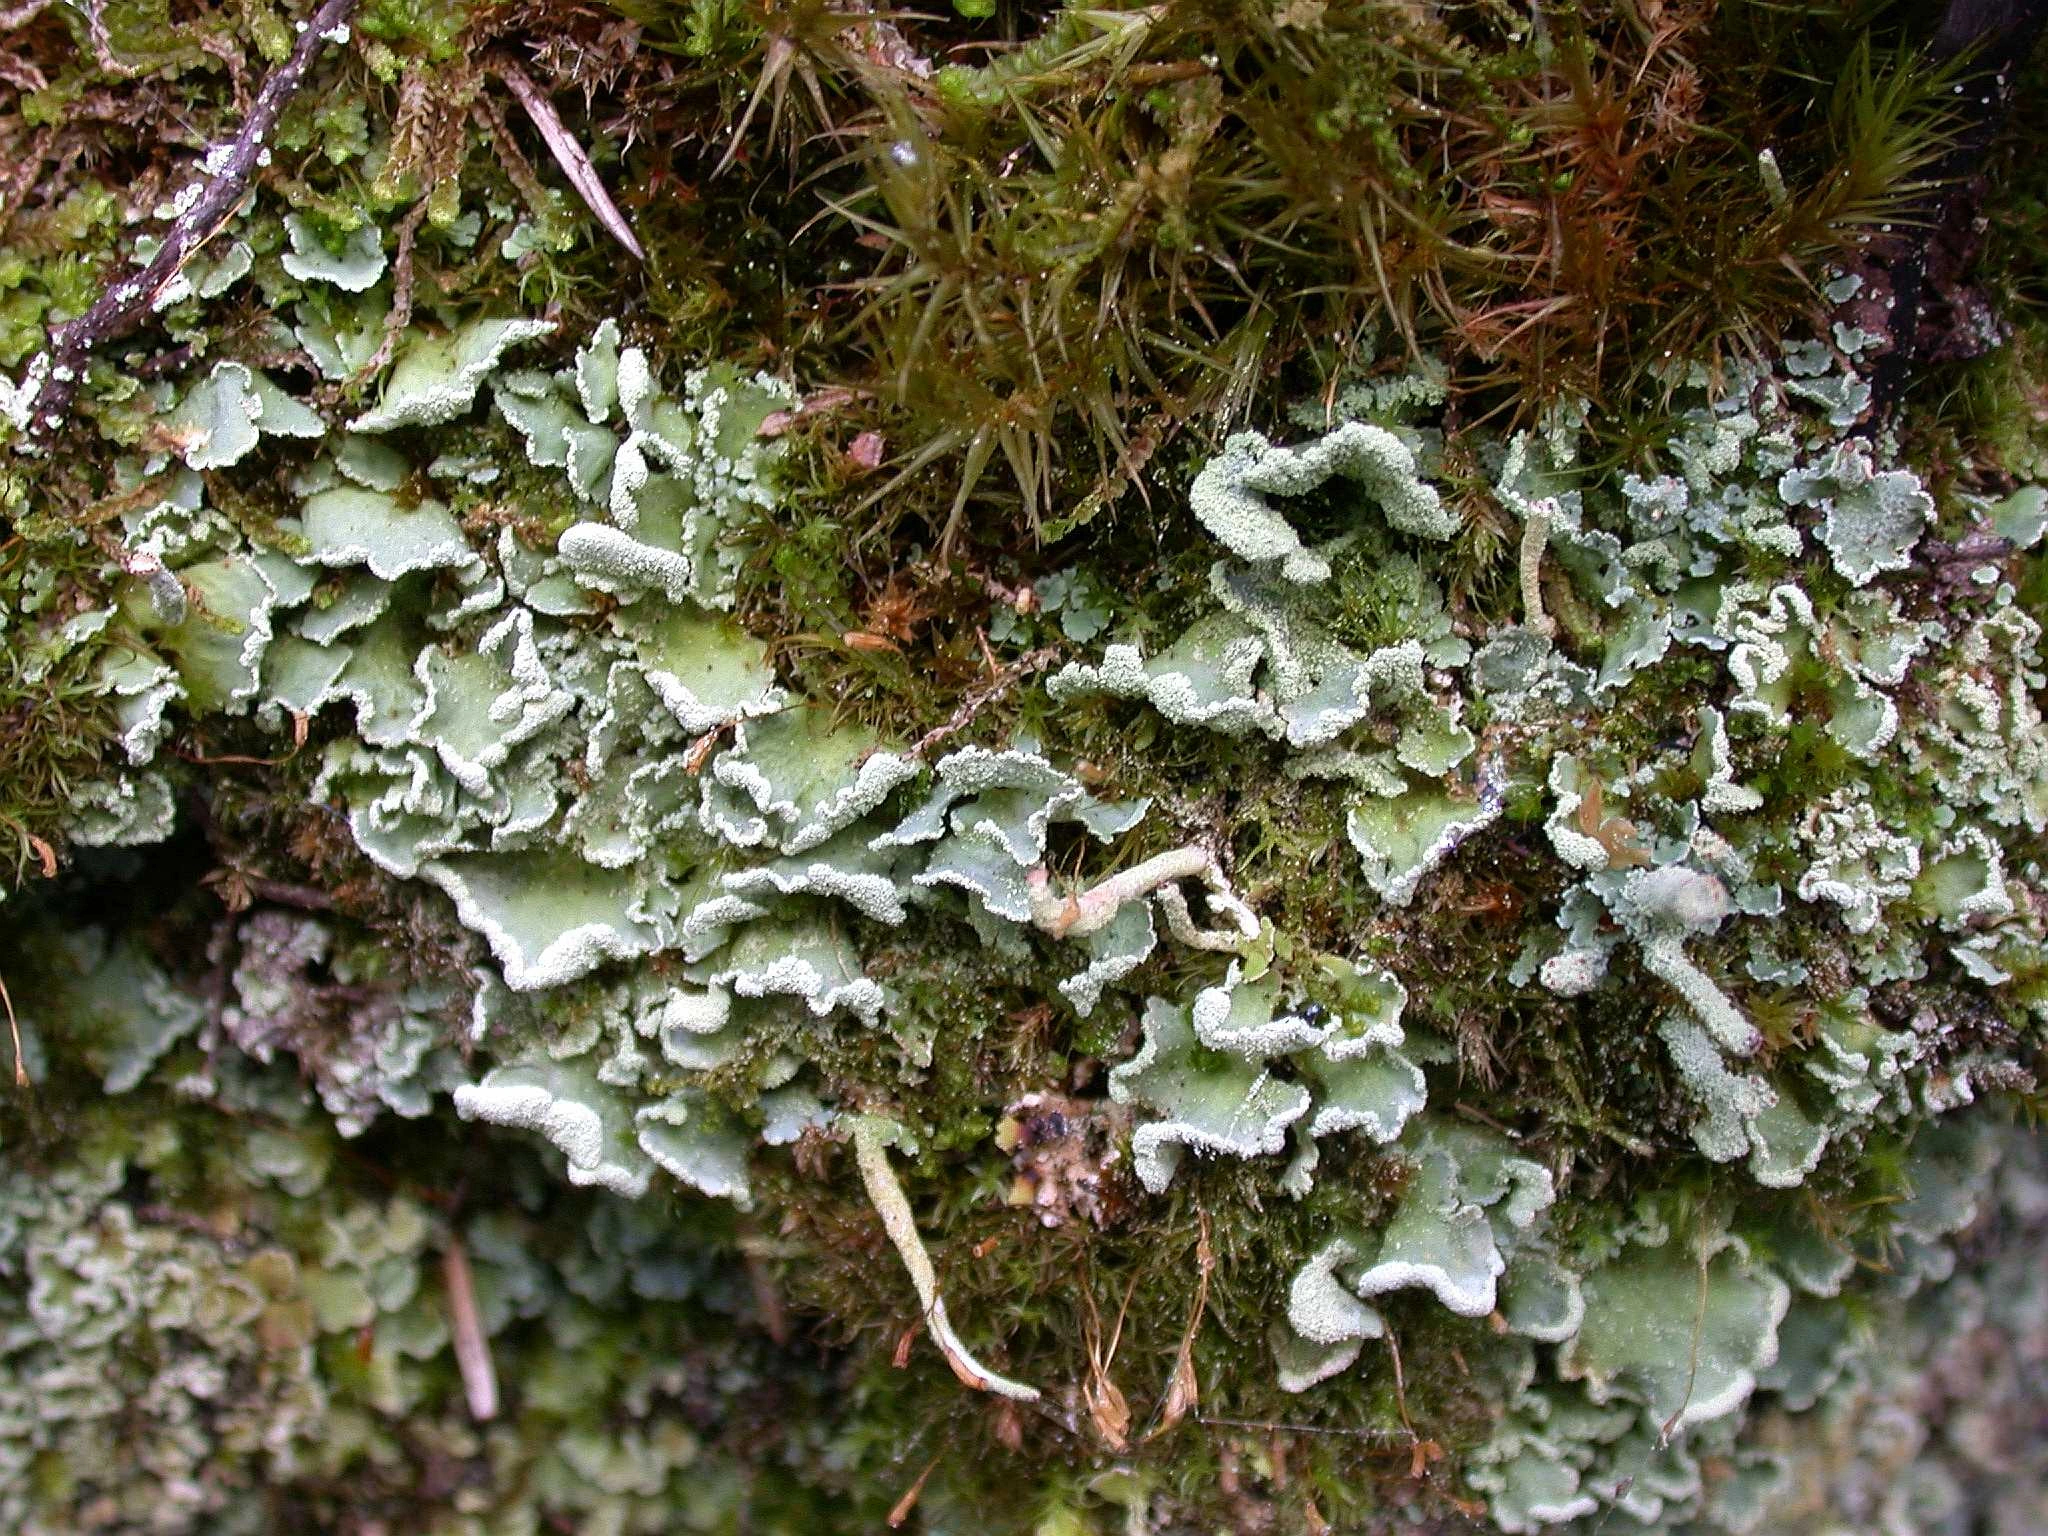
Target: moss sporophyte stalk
{"type": "Point", "coordinates": [1210, 767]}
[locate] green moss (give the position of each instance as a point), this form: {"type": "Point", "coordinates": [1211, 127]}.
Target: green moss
{"type": "Point", "coordinates": [1007, 299]}
{"type": "Point", "coordinates": [428, 30]}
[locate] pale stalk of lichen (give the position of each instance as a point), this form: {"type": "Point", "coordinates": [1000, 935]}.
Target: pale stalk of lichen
{"type": "Point", "coordinates": [1073, 917]}
{"type": "Point", "coordinates": [1181, 923]}
{"type": "Point", "coordinates": [1664, 957]}
{"type": "Point", "coordinates": [1535, 539]}
{"type": "Point", "coordinates": [466, 1331]}
{"type": "Point", "coordinates": [887, 1197]}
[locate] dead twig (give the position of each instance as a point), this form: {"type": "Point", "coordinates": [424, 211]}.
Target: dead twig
{"type": "Point", "coordinates": [466, 1330]}
{"type": "Point", "coordinates": [568, 152]}
{"type": "Point", "coordinates": [401, 294]}
{"type": "Point", "coordinates": [1300, 1429]}
{"type": "Point", "coordinates": [305, 898]}
{"type": "Point", "coordinates": [40, 403]}
{"type": "Point", "coordinates": [14, 1029]}
{"type": "Point", "coordinates": [1005, 679]}
{"type": "Point", "coordinates": [1692, 1372]}
{"type": "Point", "coordinates": [1401, 1387]}
{"type": "Point", "coordinates": [761, 1280]}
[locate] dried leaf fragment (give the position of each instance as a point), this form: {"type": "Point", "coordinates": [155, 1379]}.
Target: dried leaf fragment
{"type": "Point", "coordinates": [1108, 1410]}
{"type": "Point", "coordinates": [904, 1505]}
{"type": "Point", "coordinates": [1183, 1387]}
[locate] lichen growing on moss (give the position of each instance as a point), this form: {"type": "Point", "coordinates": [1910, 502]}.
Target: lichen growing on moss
{"type": "Point", "coordinates": [578, 883]}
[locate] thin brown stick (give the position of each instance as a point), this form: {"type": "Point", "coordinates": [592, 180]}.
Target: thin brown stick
{"type": "Point", "coordinates": [401, 294]}
{"type": "Point", "coordinates": [1144, 76]}
{"type": "Point", "coordinates": [761, 1280]}
{"type": "Point", "coordinates": [1300, 1429]}
{"type": "Point", "coordinates": [1108, 1409]}
{"type": "Point", "coordinates": [41, 404]}
{"type": "Point", "coordinates": [466, 1330]}
{"type": "Point", "coordinates": [1008, 678]}
{"type": "Point", "coordinates": [14, 1029]}
{"type": "Point", "coordinates": [234, 757]}
{"type": "Point", "coordinates": [1400, 1385]}
{"type": "Point", "coordinates": [285, 893]}
{"type": "Point", "coordinates": [568, 152]}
